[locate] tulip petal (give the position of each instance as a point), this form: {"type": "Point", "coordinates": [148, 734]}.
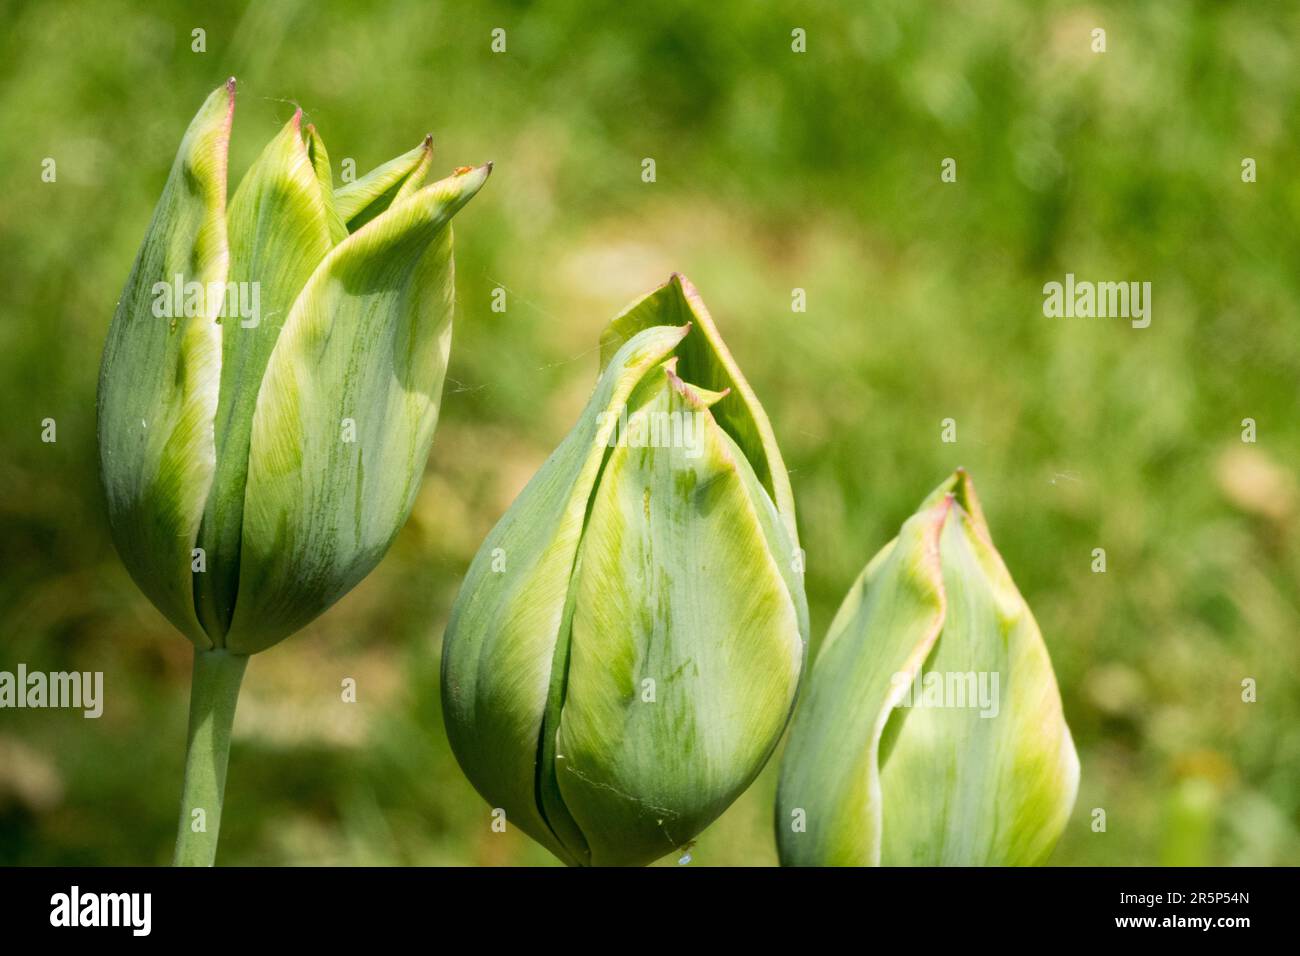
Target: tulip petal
{"type": "Point", "coordinates": [874, 770]}
{"type": "Point", "coordinates": [415, 179]}
{"type": "Point", "coordinates": [886, 625]}
{"type": "Point", "coordinates": [346, 414]}
{"type": "Point", "coordinates": [499, 651]}
{"type": "Point", "coordinates": [706, 361]}
{"type": "Point", "coordinates": [678, 584]}
{"type": "Point", "coordinates": [158, 383]}
{"type": "Point", "coordinates": [279, 233]}
{"type": "Point", "coordinates": [359, 202]}
{"type": "Point", "coordinates": [320, 161]}
{"type": "Point", "coordinates": [1010, 770]}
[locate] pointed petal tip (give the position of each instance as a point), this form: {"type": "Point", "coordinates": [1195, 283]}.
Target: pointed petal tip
{"type": "Point", "coordinates": [223, 97]}
{"type": "Point", "coordinates": [485, 170]}
{"type": "Point", "coordinates": [687, 288]}
{"type": "Point", "coordinates": [968, 499]}
{"type": "Point", "coordinates": [937, 514]}
{"type": "Point", "coordinates": [698, 398]}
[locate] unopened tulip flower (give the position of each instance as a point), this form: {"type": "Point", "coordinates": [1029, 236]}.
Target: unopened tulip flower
{"type": "Point", "coordinates": [931, 730]}
{"type": "Point", "coordinates": [625, 650]}
{"type": "Point", "coordinates": [267, 399]}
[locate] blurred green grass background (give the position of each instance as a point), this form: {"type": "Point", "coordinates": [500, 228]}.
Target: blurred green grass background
{"type": "Point", "coordinates": [775, 171]}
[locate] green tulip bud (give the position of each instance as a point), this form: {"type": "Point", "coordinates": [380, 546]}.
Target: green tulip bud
{"type": "Point", "coordinates": [271, 383]}
{"type": "Point", "coordinates": [625, 650]}
{"type": "Point", "coordinates": [931, 732]}
{"type": "Point", "coordinates": [272, 377]}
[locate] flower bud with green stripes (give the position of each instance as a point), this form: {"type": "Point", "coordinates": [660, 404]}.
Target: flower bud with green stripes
{"type": "Point", "coordinates": [931, 731]}
{"type": "Point", "coordinates": [271, 381]}
{"type": "Point", "coordinates": [626, 647]}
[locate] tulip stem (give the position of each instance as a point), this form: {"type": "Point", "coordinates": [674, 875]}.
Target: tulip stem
{"type": "Point", "coordinates": [213, 693]}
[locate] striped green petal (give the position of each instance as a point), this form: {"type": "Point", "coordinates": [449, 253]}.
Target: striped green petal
{"type": "Point", "coordinates": [279, 233]}
{"type": "Point", "coordinates": [706, 362]}
{"type": "Point", "coordinates": [504, 629]}
{"type": "Point", "coordinates": [685, 646]}
{"type": "Point", "coordinates": [360, 201]}
{"type": "Point", "coordinates": [320, 161]}
{"type": "Point", "coordinates": [931, 732]}
{"type": "Point", "coordinates": [346, 414]}
{"type": "Point", "coordinates": [159, 378]}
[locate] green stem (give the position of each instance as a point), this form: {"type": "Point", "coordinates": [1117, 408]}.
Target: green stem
{"type": "Point", "coordinates": [213, 693]}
